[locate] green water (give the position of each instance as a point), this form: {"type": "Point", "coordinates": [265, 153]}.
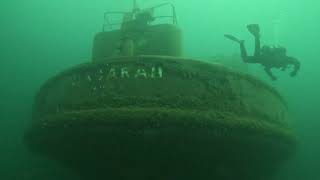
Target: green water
{"type": "Point", "coordinates": [39, 38]}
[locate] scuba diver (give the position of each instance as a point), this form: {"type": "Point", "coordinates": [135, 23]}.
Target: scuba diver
{"type": "Point", "coordinates": [269, 57]}
{"type": "Point", "coordinates": [133, 27]}
{"type": "Point", "coordinates": [137, 20]}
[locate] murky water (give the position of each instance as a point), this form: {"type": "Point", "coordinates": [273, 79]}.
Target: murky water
{"type": "Point", "coordinates": [41, 38]}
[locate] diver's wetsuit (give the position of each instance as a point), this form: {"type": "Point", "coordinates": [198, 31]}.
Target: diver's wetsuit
{"type": "Point", "coordinates": [268, 57]}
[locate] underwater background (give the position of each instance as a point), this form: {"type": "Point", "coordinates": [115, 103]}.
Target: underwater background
{"type": "Point", "coordinates": [40, 38]}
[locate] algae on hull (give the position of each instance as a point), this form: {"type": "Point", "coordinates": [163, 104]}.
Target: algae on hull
{"type": "Point", "coordinates": [191, 101]}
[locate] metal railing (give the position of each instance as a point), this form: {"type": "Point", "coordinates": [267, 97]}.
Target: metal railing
{"type": "Point", "coordinates": [110, 25]}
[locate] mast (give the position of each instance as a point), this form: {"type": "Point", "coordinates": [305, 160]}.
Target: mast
{"type": "Point", "coordinates": [135, 5]}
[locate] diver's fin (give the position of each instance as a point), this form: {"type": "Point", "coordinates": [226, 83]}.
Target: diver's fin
{"type": "Point", "coordinates": [232, 38]}
{"type": "Point", "coordinates": [254, 29]}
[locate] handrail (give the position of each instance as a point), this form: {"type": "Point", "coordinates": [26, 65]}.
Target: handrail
{"type": "Point", "coordinates": [108, 24]}
{"type": "Point", "coordinates": [107, 21]}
